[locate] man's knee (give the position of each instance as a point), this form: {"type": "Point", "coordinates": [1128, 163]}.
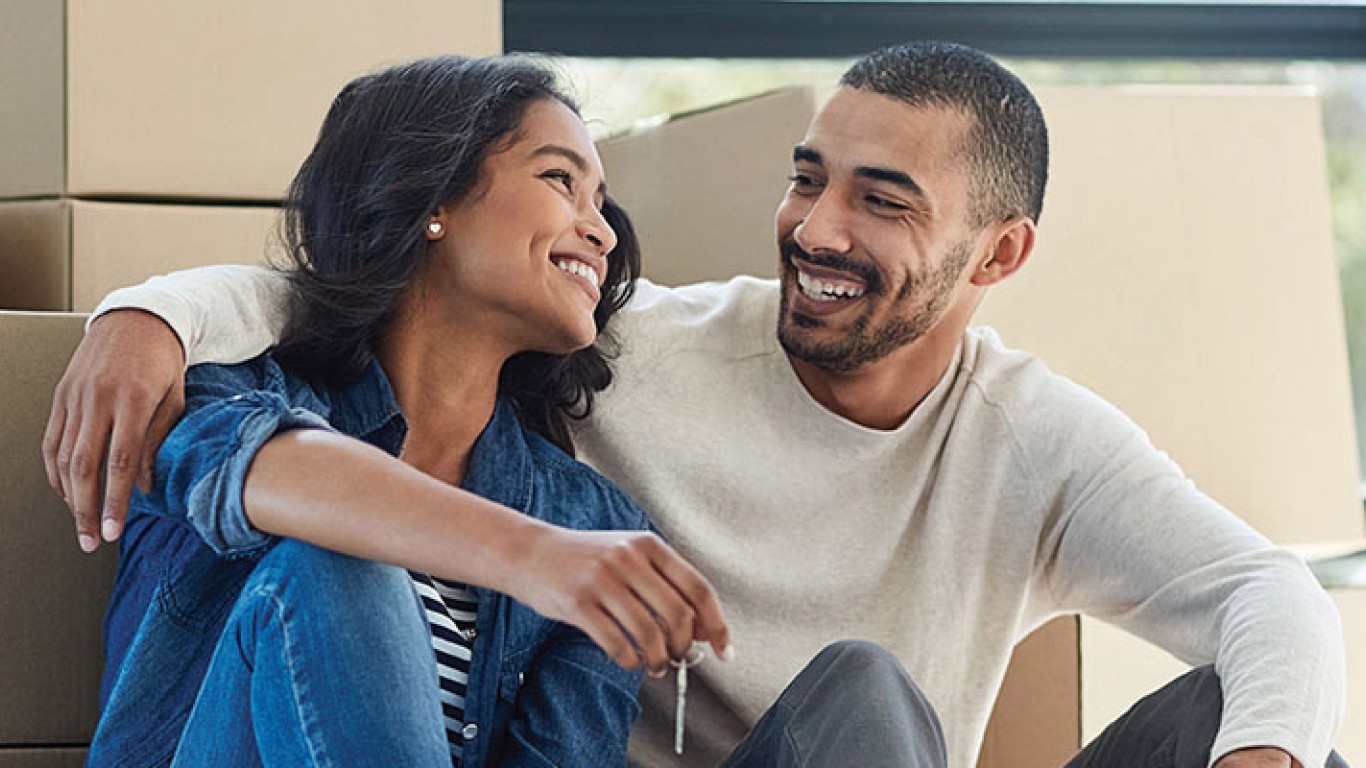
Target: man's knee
{"type": "Point", "coordinates": [857, 659]}
{"type": "Point", "coordinates": [856, 698]}
{"type": "Point", "coordinates": [869, 671]}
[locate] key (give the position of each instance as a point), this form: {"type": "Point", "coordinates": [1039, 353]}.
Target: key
{"type": "Point", "coordinates": [680, 704]}
{"type": "Point", "coordinates": [694, 657]}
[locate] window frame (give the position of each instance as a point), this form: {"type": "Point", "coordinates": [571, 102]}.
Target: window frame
{"type": "Point", "coordinates": [802, 29]}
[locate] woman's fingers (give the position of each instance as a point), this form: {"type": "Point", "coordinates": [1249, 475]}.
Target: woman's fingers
{"type": "Point", "coordinates": [659, 600]}
{"type": "Point", "coordinates": [708, 621]}
{"type": "Point", "coordinates": [649, 637]}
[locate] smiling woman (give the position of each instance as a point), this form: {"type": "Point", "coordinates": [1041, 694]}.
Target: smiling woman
{"type": "Point", "coordinates": [455, 258]}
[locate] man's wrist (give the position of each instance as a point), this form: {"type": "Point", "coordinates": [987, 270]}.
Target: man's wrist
{"type": "Point", "coordinates": [139, 323]}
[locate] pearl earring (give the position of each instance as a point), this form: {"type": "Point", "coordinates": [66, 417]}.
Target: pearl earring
{"type": "Point", "coordinates": [434, 227]}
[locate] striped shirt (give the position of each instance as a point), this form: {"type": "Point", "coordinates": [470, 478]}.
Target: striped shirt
{"type": "Point", "coordinates": [451, 608]}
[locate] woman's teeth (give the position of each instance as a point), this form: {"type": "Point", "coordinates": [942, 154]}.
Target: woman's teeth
{"type": "Point", "coordinates": [574, 267]}
{"type": "Point", "coordinates": [821, 290]}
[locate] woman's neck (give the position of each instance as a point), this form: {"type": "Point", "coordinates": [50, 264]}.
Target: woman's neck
{"type": "Point", "coordinates": [446, 383]}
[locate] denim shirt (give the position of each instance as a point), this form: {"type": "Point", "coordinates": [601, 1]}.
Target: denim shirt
{"type": "Point", "coordinates": [188, 549]}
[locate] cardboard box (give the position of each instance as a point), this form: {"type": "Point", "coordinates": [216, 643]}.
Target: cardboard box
{"type": "Point", "coordinates": [1036, 723]}
{"type": "Point", "coordinates": [703, 186]}
{"type": "Point", "coordinates": [42, 757]}
{"type": "Point", "coordinates": [67, 254]}
{"type": "Point", "coordinates": [52, 596]}
{"type": "Point", "coordinates": [196, 99]}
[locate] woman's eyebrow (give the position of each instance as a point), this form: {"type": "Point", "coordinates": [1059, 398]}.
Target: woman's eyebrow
{"type": "Point", "coordinates": [576, 159]}
{"type": "Point", "coordinates": [565, 152]}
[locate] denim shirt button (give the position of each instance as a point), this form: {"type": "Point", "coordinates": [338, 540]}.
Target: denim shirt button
{"type": "Point", "coordinates": [521, 679]}
{"type": "Point", "coordinates": [469, 731]}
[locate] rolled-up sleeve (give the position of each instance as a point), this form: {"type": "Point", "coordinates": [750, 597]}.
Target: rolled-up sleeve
{"type": "Point", "coordinates": [201, 469]}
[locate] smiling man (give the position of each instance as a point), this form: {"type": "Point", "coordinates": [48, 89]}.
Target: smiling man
{"type": "Point", "coordinates": [877, 469]}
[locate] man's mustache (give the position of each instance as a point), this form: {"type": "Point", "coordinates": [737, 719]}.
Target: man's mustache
{"type": "Point", "coordinates": [867, 273]}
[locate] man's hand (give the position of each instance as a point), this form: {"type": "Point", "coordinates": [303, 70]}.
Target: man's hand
{"type": "Point", "coordinates": [124, 389]}
{"type": "Point", "coordinates": [1257, 757]}
{"type": "Point", "coordinates": [627, 590]}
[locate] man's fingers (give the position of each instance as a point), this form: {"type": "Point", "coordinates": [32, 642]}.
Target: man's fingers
{"type": "Point", "coordinates": [124, 463]}
{"type": "Point", "coordinates": [52, 441]}
{"type": "Point", "coordinates": [66, 446]}
{"type": "Point", "coordinates": [163, 420]}
{"type": "Point", "coordinates": [86, 458]}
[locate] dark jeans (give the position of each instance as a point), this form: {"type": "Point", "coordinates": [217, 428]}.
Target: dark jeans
{"type": "Point", "coordinates": [855, 705]}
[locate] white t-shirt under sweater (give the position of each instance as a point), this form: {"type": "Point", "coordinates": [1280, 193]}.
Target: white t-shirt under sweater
{"type": "Point", "coordinates": [1009, 496]}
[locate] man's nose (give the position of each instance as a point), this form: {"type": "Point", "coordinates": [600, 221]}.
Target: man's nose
{"type": "Point", "coordinates": [825, 227]}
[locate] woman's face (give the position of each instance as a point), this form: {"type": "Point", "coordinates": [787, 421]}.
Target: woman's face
{"type": "Point", "coordinates": [524, 254]}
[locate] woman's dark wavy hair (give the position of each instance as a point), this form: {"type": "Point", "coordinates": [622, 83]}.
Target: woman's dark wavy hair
{"type": "Point", "coordinates": [395, 146]}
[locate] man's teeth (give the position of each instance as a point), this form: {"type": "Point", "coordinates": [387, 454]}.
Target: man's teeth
{"type": "Point", "coordinates": [820, 290]}
{"type": "Point", "coordinates": [578, 268]}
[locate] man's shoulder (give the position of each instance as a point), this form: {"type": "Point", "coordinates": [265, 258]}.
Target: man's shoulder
{"type": "Point", "coordinates": [738, 315]}
{"type": "Point", "coordinates": [1037, 401]}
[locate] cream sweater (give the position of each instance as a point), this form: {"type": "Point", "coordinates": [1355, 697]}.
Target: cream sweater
{"type": "Point", "coordinates": [1009, 496]}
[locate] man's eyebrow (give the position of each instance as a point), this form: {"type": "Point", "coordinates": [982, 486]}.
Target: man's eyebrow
{"type": "Point", "coordinates": [576, 159]}
{"type": "Point", "coordinates": [891, 176]}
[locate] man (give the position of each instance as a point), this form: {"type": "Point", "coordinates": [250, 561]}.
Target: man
{"type": "Point", "coordinates": [879, 470]}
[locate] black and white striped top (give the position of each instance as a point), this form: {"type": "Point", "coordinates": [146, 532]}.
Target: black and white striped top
{"type": "Point", "coordinates": [451, 609]}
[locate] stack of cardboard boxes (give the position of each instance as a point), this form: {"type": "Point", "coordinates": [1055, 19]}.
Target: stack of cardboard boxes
{"type": "Point", "coordinates": [1184, 271]}
{"type": "Point", "coordinates": [143, 137]}
{"type": "Point", "coordinates": [139, 138]}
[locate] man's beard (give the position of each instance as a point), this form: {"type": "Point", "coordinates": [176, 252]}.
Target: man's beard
{"type": "Point", "coordinates": [918, 305]}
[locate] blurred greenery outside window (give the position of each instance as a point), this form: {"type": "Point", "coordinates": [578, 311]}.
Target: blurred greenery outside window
{"type": "Point", "coordinates": [619, 93]}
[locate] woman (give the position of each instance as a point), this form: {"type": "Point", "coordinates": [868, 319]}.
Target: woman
{"type": "Point", "coordinates": [456, 258]}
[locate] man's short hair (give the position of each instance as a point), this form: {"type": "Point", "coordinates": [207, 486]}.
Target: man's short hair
{"type": "Point", "coordinates": [1007, 145]}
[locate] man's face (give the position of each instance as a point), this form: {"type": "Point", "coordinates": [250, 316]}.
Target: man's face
{"type": "Point", "coordinates": [873, 232]}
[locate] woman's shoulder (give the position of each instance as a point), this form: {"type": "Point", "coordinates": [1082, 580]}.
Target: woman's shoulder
{"type": "Point", "coordinates": [261, 376]}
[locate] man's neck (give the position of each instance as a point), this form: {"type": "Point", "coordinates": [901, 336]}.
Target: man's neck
{"type": "Point", "coordinates": [883, 394]}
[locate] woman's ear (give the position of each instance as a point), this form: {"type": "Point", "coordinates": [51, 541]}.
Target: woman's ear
{"type": "Point", "coordinates": [1013, 241]}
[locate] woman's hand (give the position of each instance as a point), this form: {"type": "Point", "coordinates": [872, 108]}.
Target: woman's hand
{"type": "Point", "coordinates": [124, 389]}
{"type": "Point", "coordinates": [627, 590]}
